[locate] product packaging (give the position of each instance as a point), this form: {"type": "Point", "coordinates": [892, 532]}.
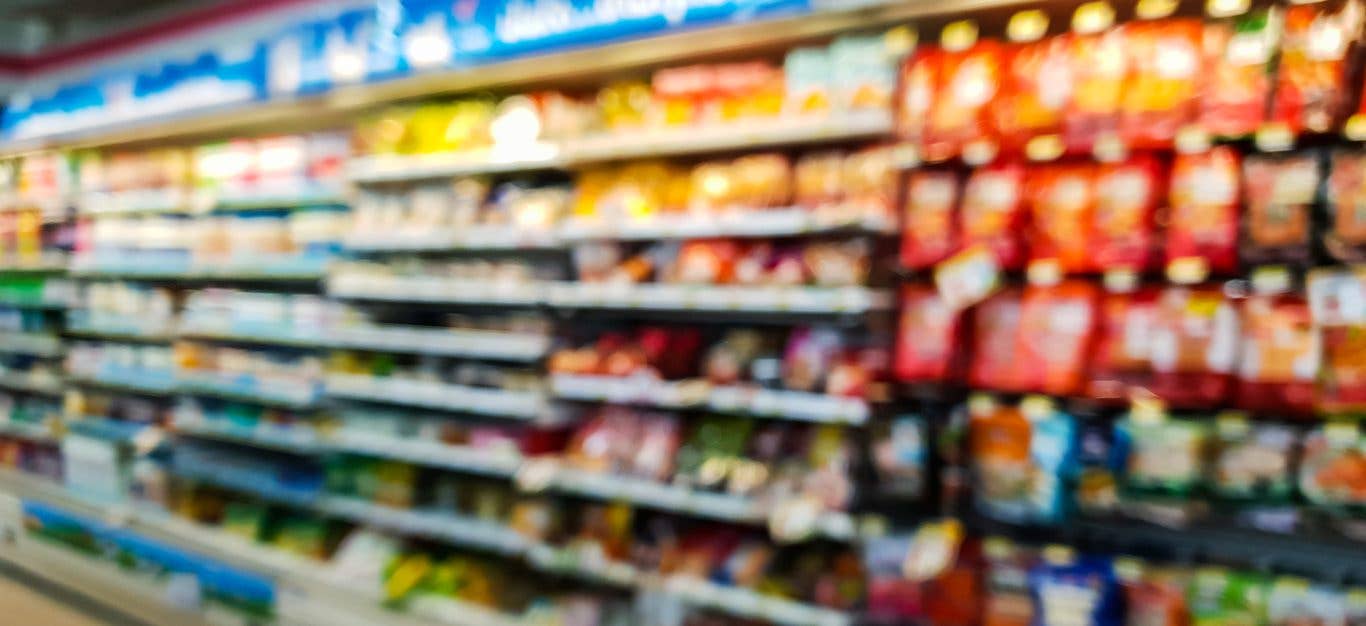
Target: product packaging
{"type": "Point", "coordinates": [1335, 297]}
{"type": "Point", "coordinates": [1163, 456]}
{"type": "Point", "coordinates": [1127, 195]}
{"type": "Point", "coordinates": [1280, 356]}
{"type": "Point", "coordinates": [1061, 200]}
{"type": "Point", "coordinates": [1280, 194]}
{"type": "Point", "coordinates": [1345, 235]}
{"type": "Point", "coordinates": [1203, 221]}
{"type": "Point", "coordinates": [927, 346]}
{"type": "Point", "coordinates": [1023, 461]}
{"type": "Point", "coordinates": [970, 77]}
{"type": "Point", "coordinates": [929, 223]}
{"type": "Point", "coordinates": [1252, 462]}
{"type": "Point", "coordinates": [900, 452]}
{"type": "Point", "coordinates": [1163, 86]}
{"type": "Point", "coordinates": [1219, 597]}
{"type": "Point", "coordinates": [1316, 60]}
{"type": "Point", "coordinates": [1332, 469]}
{"type": "Point", "coordinates": [1194, 347]}
{"type": "Point", "coordinates": [1100, 66]}
{"type": "Point", "coordinates": [1121, 360]}
{"type": "Point", "coordinates": [995, 355]}
{"type": "Point", "coordinates": [993, 213]}
{"type": "Point", "coordinates": [1293, 601]}
{"type": "Point", "coordinates": [1035, 92]}
{"type": "Point", "coordinates": [1239, 60]}
{"type": "Point", "coordinates": [1056, 330]}
{"type": "Point", "coordinates": [919, 88]}
{"type": "Point", "coordinates": [1076, 591]}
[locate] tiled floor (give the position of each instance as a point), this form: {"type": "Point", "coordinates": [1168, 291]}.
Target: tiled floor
{"type": "Point", "coordinates": [21, 606]}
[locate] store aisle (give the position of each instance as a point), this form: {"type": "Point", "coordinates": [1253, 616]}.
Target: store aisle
{"type": "Point", "coordinates": [21, 605]}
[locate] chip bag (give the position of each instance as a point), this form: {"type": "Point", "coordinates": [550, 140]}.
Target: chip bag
{"type": "Point", "coordinates": [1239, 57]}
{"type": "Point", "coordinates": [1099, 68]}
{"type": "Point", "coordinates": [992, 213]}
{"type": "Point", "coordinates": [961, 114]}
{"type": "Point", "coordinates": [1035, 92]}
{"type": "Point", "coordinates": [1336, 298]}
{"type": "Point", "coordinates": [1121, 358]}
{"type": "Point", "coordinates": [1057, 327]}
{"type": "Point", "coordinates": [1127, 195]}
{"type": "Point", "coordinates": [1279, 193]}
{"type": "Point", "coordinates": [1163, 85]}
{"type": "Point", "coordinates": [927, 338]}
{"type": "Point", "coordinates": [929, 232]}
{"type": "Point", "coordinates": [1194, 347]}
{"type": "Point", "coordinates": [1345, 236]}
{"type": "Point", "coordinates": [1061, 200]}
{"type": "Point", "coordinates": [995, 351]}
{"type": "Point", "coordinates": [1203, 219]}
{"type": "Point", "coordinates": [1280, 356]}
{"type": "Point", "coordinates": [1316, 50]}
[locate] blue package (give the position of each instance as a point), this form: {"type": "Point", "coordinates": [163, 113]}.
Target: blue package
{"type": "Point", "coordinates": [1082, 592]}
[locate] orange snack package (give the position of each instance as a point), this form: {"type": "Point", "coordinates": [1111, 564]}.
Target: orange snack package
{"type": "Point", "coordinates": [1203, 219]}
{"type": "Point", "coordinates": [1120, 360]}
{"type": "Point", "coordinates": [1239, 53]}
{"type": "Point", "coordinates": [995, 354]}
{"type": "Point", "coordinates": [917, 92]}
{"type": "Point", "coordinates": [1061, 200]}
{"type": "Point", "coordinates": [1127, 197]}
{"type": "Point", "coordinates": [1057, 327]}
{"type": "Point", "coordinates": [1161, 93]}
{"type": "Point", "coordinates": [992, 213]}
{"type": "Point", "coordinates": [1035, 92]}
{"type": "Point", "coordinates": [961, 112]}
{"type": "Point", "coordinates": [1099, 67]}
{"type": "Point", "coordinates": [1345, 236]}
{"type": "Point", "coordinates": [1280, 356]}
{"type": "Point", "coordinates": [1316, 50]}
{"type": "Point", "coordinates": [1194, 347]}
{"type": "Point", "coordinates": [929, 229]}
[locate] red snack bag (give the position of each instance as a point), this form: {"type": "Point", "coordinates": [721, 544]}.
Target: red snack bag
{"type": "Point", "coordinates": [1127, 196]}
{"type": "Point", "coordinates": [1057, 325]}
{"type": "Point", "coordinates": [1238, 72]}
{"type": "Point", "coordinates": [995, 351]}
{"type": "Point", "coordinates": [1280, 356]}
{"type": "Point", "coordinates": [927, 339]}
{"type": "Point", "coordinates": [1279, 192]}
{"type": "Point", "coordinates": [1099, 66]}
{"type": "Point", "coordinates": [1345, 238]}
{"type": "Point", "coordinates": [918, 89]}
{"type": "Point", "coordinates": [1311, 81]}
{"type": "Point", "coordinates": [1120, 360]}
{"type": "Point", "coordinates": [1160, 96]}
{"type": "Point", "coordinates": [961, 113]}
{"type": "Point", "coordinates": [992, 214]}
{"type": "Point", "coordinates": [1335, 302]}
{"type": "Point", "coordinates": [1061, 199]}
{"type": "Point", "coordinates": [1203, 220]}
{"type": "Point", "coordinates": [929, 234]}
{"type": "Point", "coordinates": [1194, 347]}
{"type": "Point", "coordinates": [1034, 93]}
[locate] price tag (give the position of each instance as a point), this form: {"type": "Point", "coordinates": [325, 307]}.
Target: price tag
{"type": "Point", "coordinates": [1093, 17]}
{"type": "Point", "coordinates": [795, 519]}
{"type": "Point", "coordinates": [1192, 139]}
{"type": "Point", "coordinates": [1275, 138]}
{"type": "Point", "coordinates": [1155, 9]}
{"type": "Point", "coordinates": [968, 277]}
{"type": "Point", "coordinates": [958, 36]}
{"type": "Point", "coordinates": [1037, 407]}
{"type": "Point", "coordinates": [1044, 148]}
{"type": "Point", "coordinates": [1120, 280]}
{"type": "Point", "coordinates": [1226, 8]}
{"type": "Point", "coordinates": [1355, 129]}
{"type": "Point", "coordinates": [1027, 26]}
{"type": "Point", "coordinates": [1059, 555]}
{"type": "Point", "coordinates": [1044, 272]}
{"type": "Point", "coordinates": [900, 41]}
{"type": "Point", "coordinates": [981, 404]}
{"type": "Point", "coordinates": [1188, 270]}
{"type": "Point", "coordinates": [1128, 569]}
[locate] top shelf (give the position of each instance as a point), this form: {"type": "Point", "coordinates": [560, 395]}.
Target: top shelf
{"type": "Point", "coordinates": [686, 140]}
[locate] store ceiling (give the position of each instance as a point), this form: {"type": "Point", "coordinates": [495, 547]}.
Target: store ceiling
{"type": "Point", "coordinates": [34, 27]}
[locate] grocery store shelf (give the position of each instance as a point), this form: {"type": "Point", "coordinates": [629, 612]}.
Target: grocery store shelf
{"type": "Point", "coordinates": [150, 334]}
{"type": "Point", "coordinates": [486, 344]}
{"type": "Point", "coordinates": [142, 382]}
{"type": "Point", "coordinates": [427, 452]}
{"type": "Point", "coordinates": [227, 272]}
{"type": "Point", "coordinates": [454, 529]}
{"type": "Point", "coordinates": [750, 604]}
{"type": "Point", "coordinates": [25, 430]}
{"type": "Point", "coordinates": [47, 264]}
{"type": "Point", "coordinates": [13, 381]}
{"type": "Point", "coordinates": [630, 390]}
{"type": "Point", "coordinates": [288, 197]}
{"type": "Point", "coordinates": [526, 405]}
{"type": "Point", "coordinates": [658, 495]}
{"type": "Point", "coordinates": [392, 168]}
{"type": "Point", "coordinates": [294, 440]}
{"type": "Point", "coordinates": [34, 303]}
{"type": "Point", "coordinates": [343, 284]}
{"type": "Point", "coordinates": [732, 399]}
{"type": "Point", "coordinates": [268, 334]}
{"type": "Point", "coordinates": [647, 297]}
{"type": "Point", "coordinates": [784, 222]}
{"type": "Point", "coordinates": [238, 389]}
{"type": "Point", "coordinates": [471, 238]}
{"type": "Point", "coordinates": [34, 344]}
{"type": "Point", "coordinates": [133, 201]}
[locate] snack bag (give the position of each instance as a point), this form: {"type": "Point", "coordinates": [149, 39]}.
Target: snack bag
{"type": "Point", "coordinates": [1219, 597]}
{"type": "Point", "coordinates": [1203, 218]}
{"type": "Point", "coordinates": [1154, 598]}
{"type": "Point", "coordinates": [1316, 50]}
{"type": "Point", "coordinates": [1294, 601]}
{"type": "Point", "coordinates": [807, 81]}
{"type": "Point", "coordinates": [1127, 195]}
{"type": "Point", "coordinates": [1335, 302]}
{"type": "Point", "coordinates": [1061, 200]}
{"type": "Point", "coordinates": [1280, 356]}
{"type": "Point", "coordinates": [1035, 92]}
{"type": "Point", "coordinates": [1239, 57]}
{"type": "Point", "coordinates": [1162, 455]}
{"type": "Point", "coordinates": [1333, 466]}
{"type": "Point", "coordinates": [1279, 193]}
{"type": "Point", "coordinates": [927, 338]}
{"type": "Point", "coordinates": [992, 213]}
{"type": "Point", "coordinates": [1076, 591]}
{"type": "Point", "coordinates": [918, 90]}
{"type": "Point", "coordinates": [1099, 67]}
{"type": "Point", "coordinates": [1252, 461]}
{"type": "Point", "coordinates": [1057, 326]}
{"type": "Point", "coordinates": [929, 234]}
{"type": "Point", "coordinates": [961, 114]}
{"type": "Point", "coordinates": [900, 451]}
{"type": "Point", "coordinates": [995, 356]}
{"type": "Point", "coordinates": [1163, 85]}
{"type": "Point", "coordinates": [870, 180]}
{"type": "Point", "coordinates": [1022, 464]}
{"type": "Point", "coordinates": [1345, 236]}
{"type": "Point", "coordinates": [1194, 346]}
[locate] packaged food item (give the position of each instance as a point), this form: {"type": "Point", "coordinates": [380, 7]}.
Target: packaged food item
{"type": "Point", "coordinates": [1203, 220]}
{"type": "Point", "coordinates": [1194, 346]}
{"type": "Point", "coordinates": [1154, 597]}
{"type": "Point", "coordinates": [1163, 84]}
{"type": "Point", "coordinates": [1335, 298]}
{"type": "Point", "coordinates": [1022, 461]}
{"type": "Point", "coordinates": [1127, 195]}
{"type": "Point", "coordinates": [1239, 53]}
{"type": "Point", "coordinates": [1061, 200]}
{"type": "Point", "coordinates": [1162, 455]}
{"type": "Point", "coordinates": [1077, 590]}
{"type": "Point", "coordinates": [746, 90]}
{"type": "Point", "coordinates": [992, 214]}
{"type": "Point", "coordinates": [866, 76]}
{"type": "Point", "coordinates": [808, 79]}
{"type": "Point", "coordinates": [818, 179]}
{"type": "Point", "coordinates": [1294, 601]}
{"type": "Point", "coordinates": [1035, 91]}
{"type": "Point", "coordinates": [900, 453]}
{"type": "Point", "coordinates": [1056, 329]}
{"type": "Point", "coordinates": [1316, 59]}
{"type": "Point", "coordinates": [995, 362]}
{"type": "Point", "coordinates": [1219, 597]}
{"type": "Point", "coordinates": [1280, 193]}
{"type": "Point", "coordinates": [1098, 468]}
{"type": "Point", "coordinates": [970, 77]}
{"type": "Point", "coordinates": [1333, 466]}
{"type": "Point", "coordinates": [1007, 601]}
{"type": "Point", "coordinates": [927, 337]}
{"type": "Point", "coordinates": [1280, 358]}
{"type": "Point", "coordinates": [869, 180]}
{"type": "Point", "coordinates": [810, 354]}
{"type": "Point", "coordinates": [1252, 461]}
{"type": "Point", "coordinates": [1345, 235]}
{"type": "Point", "coordinates": [623, 105]}
{"type": "Point", "coordinates": [929, 229]}
{"type": "Point", "coordinates": [919, 88]}
{"type": "Point", "coordinates": [1099, 67]}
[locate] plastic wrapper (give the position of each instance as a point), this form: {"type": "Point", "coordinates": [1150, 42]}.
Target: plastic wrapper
{"type": "Point", "coordinates": [1035, 92]}
{"type": "Point", "coordinates": [1022, 466]}
{"type": "Point", "coordinates": [1161, 94]}
{"type": "Point", "coordinates": [961, 113]}
{"type": "Point", "coordinates": [929, 231]}
{"type": "Point", "coordinates": [1057, 327]}
{"type": "Point", "coordinates": [1163, 456]}
{"type": "Point", "coordinates": [1203, 212]}
{"type": "Point", "coordinates": [1316, 60]}
{"type": "Point", "coordinates": [1333, 466]}
{"type": "Point", "coordinates": [927, 348]}
{"type": "Point", "coordinates": [1336, 300]}
{"type": "Point", "coordinates": [1345, 234]}
{"type": "Point", "coordinates": [995, 353]}
{"type": "Point", "coordinates": [992, 213]}
{"type": "Point", "coordinates": [1280, 193]}
{"type": "Point", "coordinates": [1061, 200]}
{"type": "Point", "coordinates": [1127, 195]}
{"type": "Point", "coordinates": [1280, 356]}
{"type": "Point", "coordinates": [1194, 347]}
{"type": "Point", "coordinates": [1099, 69]}
{"type": "Point", "coordinates": [1253, 461]}
{"type": "Point", "coordinates": [1239, 57]}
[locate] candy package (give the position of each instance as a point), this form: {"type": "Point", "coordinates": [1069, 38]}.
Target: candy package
{"type": "Point", "coordinates": [1203, 220]}
{"type": "Point", "coordinates": [1121, 359]}
{"type": "Point", "coordinates": [1194, 346]}
{"type": "Point", "coordinates": [929, 229]}
{"type": "Point", "coordinates": [1162, 88]}
{"type": "Point", "coordinates": [1057, 326]}
{"type": "Point", "coordinates": [1333, 467]}
{"type": "Point", "coordinates": [1022, 464]}
{"type": "Point", "coordinates": [1345, 235]}
{"type": "Point", "coordinates": [1239, 54]}
{"type": "Point", "coordinates": [993, 215]}
{"type": "Point", "coordinates": [1061, 200]}
{"type": "Point", "coordinates": [995, 356]}
{"type": "Point", "coordinates": [1280, 193]}
{"type": "Point", "coordinates": [1252, 461]}
{"type": "Point", "coordinates": [1163, 456]}
{"type": "Point", "coordinates": [927, 337]}
{"type": "Point", "coordinates": [1316, 60]}
{"type": "Point", "coordinates": [1035, 92]}
{"type": "Point", "coordinates": [1280, 356]}
{"type": "Point", "coordinates": [1127, 195]}
{"type": "Point", "coordinates": [961, 115]}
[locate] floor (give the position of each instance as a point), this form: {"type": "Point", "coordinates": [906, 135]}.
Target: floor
{"type": "Point", "coordinates": [30, 602]}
